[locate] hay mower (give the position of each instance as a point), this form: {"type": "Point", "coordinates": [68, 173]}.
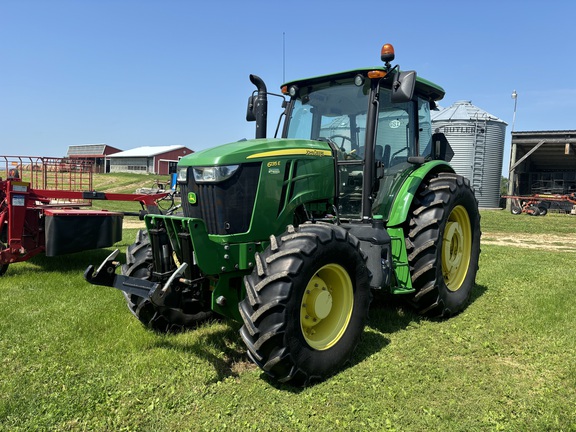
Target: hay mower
{"type": "Point", "coordinates": [291, 234]}
{"type": "Point", "coordinates": [539, 204]}
{"type": "Point", "coordinates": [43, 209]}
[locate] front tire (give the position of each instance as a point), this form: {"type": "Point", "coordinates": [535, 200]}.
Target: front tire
{"type": "Point", "coordinates": [443, 245]}
{"type": "Point", "coordinates": [306, 303]}
{"type": "Point", "coordinates": [162, 320]}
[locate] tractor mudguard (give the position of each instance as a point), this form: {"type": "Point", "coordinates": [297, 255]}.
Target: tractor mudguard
{"type": "Point", "coordinates": [404, 198]}
{"type": "Point", "coordinates": [398, 216]}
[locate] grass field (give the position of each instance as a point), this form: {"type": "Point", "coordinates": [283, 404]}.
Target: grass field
{"type": "Point", "coordinates": [72, 357]}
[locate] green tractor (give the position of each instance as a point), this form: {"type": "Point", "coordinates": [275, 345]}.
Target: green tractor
{"type": "Point", "coordinates": [290, 235]}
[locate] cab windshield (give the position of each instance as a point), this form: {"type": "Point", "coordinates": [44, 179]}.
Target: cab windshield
{"type": "Point", "coordinates": [337, 111]}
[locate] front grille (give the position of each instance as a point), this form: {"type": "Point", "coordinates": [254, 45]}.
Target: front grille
{"type": "Point", "coordinates": [226, 207]}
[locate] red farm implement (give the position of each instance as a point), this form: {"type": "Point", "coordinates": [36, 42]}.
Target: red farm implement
{"type": "Point", "coordinates": [538, 204]}
{"type": "Point", "coordinates": [44, 208]}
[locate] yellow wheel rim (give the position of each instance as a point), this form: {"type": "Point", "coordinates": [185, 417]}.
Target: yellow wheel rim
{"type": "Point", "coordinates": [456, 248]}
{"type": "Point", "coordinates": [326, 306]}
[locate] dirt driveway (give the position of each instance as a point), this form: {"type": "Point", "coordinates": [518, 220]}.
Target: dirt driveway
{"type": "Point", "coordinates": [129, 223]}
{"type": "Point", "coordinates": [566, 243]}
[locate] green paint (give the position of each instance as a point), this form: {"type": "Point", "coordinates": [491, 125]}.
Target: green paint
{"type": "Point", "coordinates": [400, 261]}
{"type": "Point", "coordinates": [293, 174]}
{"type": "Point", "coordinates": [407, 190]}
{"type": "Point", "coordinates": [226, 263]}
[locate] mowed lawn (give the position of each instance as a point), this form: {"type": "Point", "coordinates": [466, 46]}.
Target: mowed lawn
{"type": "Point", "coordinates": [72, 357]}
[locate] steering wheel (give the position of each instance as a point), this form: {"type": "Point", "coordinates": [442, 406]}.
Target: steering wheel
{"type": "Point", "coordinates": [395, 160]}
{"type": "Point", "coordinates": [344, 138]}
{"type": "Point", "coordinates": [396, 153]}
{"type": "Point", "coordinates": [352, 154]}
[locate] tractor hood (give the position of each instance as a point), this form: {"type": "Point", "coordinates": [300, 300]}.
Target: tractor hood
{"type": "Point", "coordinates": [256, 150]}
{"type": "Point", "coordinates": [262, 184]}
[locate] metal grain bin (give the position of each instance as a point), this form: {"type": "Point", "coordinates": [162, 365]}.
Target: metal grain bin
{"type": "Point", "coordinates": [477, 139]}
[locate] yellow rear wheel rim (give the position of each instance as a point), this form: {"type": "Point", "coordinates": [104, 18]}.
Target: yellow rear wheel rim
{"type": "Point", "coordinates": [326, 306]}
{"type": "Point", "coordinates": [456, 248]}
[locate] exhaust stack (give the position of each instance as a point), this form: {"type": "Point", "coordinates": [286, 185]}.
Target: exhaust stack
{"type": "Point", "coordinates": [260, 106]}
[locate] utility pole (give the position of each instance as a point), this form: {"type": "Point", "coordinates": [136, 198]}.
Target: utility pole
{"type": "Point", "coordinates": [512, 154]}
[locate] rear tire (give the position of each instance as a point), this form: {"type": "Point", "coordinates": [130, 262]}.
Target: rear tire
{"type": "Point", "coordinates": [163, 320]}
{"type": "Point", "coordinates": [306, 303]}
{"type": "Point", "coordinates": [443, 245]}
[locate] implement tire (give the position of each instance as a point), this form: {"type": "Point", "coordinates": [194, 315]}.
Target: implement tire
{"type": "Point", "coordinates": [162, 320]}
{"type": "Point", "coordinates": [443, 245]}
{"type": "Point", "coordinates": [306, 303]}
{"type": "Point", "coordinates": [3, 245]}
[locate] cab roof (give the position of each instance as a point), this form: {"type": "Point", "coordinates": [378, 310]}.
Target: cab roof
{"type": "Point", "coordinates": [424, 87]}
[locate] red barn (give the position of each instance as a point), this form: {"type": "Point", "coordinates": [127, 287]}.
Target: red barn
{"type": "Point", "coordinates": [99, 154]}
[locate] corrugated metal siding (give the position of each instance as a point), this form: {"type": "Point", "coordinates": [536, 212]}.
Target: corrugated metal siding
{"type": "Point", "coordinates": [462, 142]}
{"type": "Point", "coordinates": [477, 139]}
{"type": "Point", "coordinates": [87, 149]}
{"type": "Point", "coordinates": [135, 164]}
{"type": "Point", "coordinates": [489, 196]}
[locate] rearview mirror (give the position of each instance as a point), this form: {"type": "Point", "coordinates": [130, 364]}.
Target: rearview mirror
{"type": "Point", "coordinates": [250, 109]}
{"type": "Point", "coordinates": [403, 86]}
{"type": "Point", "coordinates": [441, 148]}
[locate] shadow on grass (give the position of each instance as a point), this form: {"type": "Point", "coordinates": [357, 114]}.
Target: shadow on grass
{"type": "Point", "coordinates": [224, 350]}
{"type": "Point", "coordinates": [388, 314]}
{"type": "Point", "coordinates": [221, 348]}
{"type": "Point", "coordinates": [68, 263]}
{"type": "Point", "coordinates": [370, 343]}
{"type": "Point", "coordinates": [477, 292]}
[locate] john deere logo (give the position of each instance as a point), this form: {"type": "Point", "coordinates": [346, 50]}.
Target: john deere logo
{"type": "Point", "coordinates": [191, 197]}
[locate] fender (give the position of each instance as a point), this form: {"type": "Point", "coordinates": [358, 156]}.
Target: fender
{"type": "Point", "coordinates": [404, 198]}
{"type": "Point", "coordinates": [398, 216]}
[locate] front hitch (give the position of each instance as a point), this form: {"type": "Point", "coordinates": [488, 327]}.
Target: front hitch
{"type": "Point", "coordinates": [159, 295]}
{"type": "Point", "coordinates": [105, 274]}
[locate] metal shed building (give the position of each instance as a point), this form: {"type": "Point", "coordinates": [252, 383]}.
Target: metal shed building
{"type": "Point", "coordinates": [542, 162]}
{"type": "Point", "coordinates": [161, 160]}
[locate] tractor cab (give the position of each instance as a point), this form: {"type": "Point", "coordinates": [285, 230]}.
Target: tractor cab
{"type": "Point", "coordinates": [377, 120]}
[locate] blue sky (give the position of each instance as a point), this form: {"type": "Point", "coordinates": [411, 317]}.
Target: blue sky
{"type": "Point", "coordinates": [133, 73]}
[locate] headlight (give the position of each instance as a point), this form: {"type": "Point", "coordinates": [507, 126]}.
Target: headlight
{"type": "Point", "coordinates": [182, 175]}
{"type": "Point", "coordinates": [214, 174]}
